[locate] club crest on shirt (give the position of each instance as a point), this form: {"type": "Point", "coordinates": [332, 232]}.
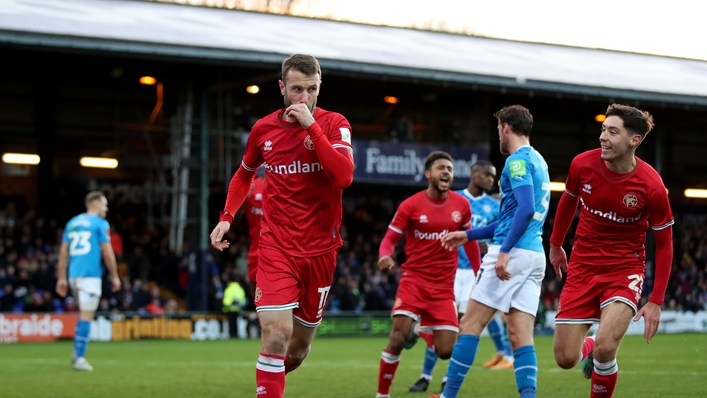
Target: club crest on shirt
{"type": "Point", "coordinates": [308, 143]}
{"type": "Point", "coordinates": [630, 200]}
{"type": "Point", "coordinates": [398, 303]}
{"type": "Point", "coordinates": [258, 293]}
{"type": "Point", "coordinates": [456, 216]}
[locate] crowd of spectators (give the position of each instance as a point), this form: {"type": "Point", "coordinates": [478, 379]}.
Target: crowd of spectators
{"type": "Point", "coordinates": [154, 280]}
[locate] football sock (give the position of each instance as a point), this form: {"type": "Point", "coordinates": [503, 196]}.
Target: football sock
{"type": "Point", "coordinates": [270, 376]}
{"type": "Point", "coordinates": [289, 366]}
{"type": "Point", "coordinates": [526, 371]}
{"type": "Point", "coordinates": [604, 379]}
{"type": "Point", "coordinates": [463, 357]}
{"type": "Point", "coordinates": [429, 364]}
{"type": "Point", "coordinates": [494, 328]}
{"type": "Point", "coordinates": [388, 365]}
{"type": "Point", "coordinates": [587, 348]}
{"type": "Point", "coordinates": [83, 329]}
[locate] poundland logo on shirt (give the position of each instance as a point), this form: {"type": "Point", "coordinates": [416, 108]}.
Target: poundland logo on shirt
{"type": "Point", "coordinates": [430, 235]}
{"type": "Point", "coordinates": [610, 215]}
{"type": "Point", "coordinates": [296, 167]}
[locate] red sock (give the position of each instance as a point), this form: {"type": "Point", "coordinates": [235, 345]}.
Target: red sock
{"type": "Point", "coordinates": [587, 347]}
{"type": "Point", "coordinates": [603, 384]}
{"type": "Point", "coordinates": [289, 366]}
{"type": "Point", "coordinates": [270, 376]}
{"type": "Point", "coordinates": [429, 338]}
{"type": "Point", "coordinates": [389, 364]}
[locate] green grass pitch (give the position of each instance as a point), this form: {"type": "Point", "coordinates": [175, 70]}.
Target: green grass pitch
{"type": "Point", "coordinates": [671, 366]}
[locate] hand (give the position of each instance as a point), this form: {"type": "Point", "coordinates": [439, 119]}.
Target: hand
{"type": "Point", "coordinates": [301, 113]}
{"type": "Point", "coordinates": [501, 266]}
{"type": "Point", "coordinates": [558, 258]}
{"type": "Point", "coordinates": [483, 247]}
{"type": "Point", "coordinates": [62, 287]}
{"type": "Point", "coordinates": [651, 316]}
{"type": "Point", "coordinates": [454, 239]}
{"type": "Point", "coordinates": [217, 234]}
{"type": "Point", "coordinates": [385, 262]}
{"type": "Point", "coordinates": [115, 281]}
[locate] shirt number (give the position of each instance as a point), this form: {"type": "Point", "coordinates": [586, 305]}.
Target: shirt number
{"type": "Point", "coordinates": [80, 243]}
{"type": "Point", "coordinates": [323, 294]}
{"type": "Point", "coordinates": [544, 203]}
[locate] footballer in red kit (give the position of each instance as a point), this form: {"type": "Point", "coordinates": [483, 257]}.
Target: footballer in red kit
{"type": "Point", "coordinates": [308, 160]}
{"type": "Point", "coordinates": [426, 290]}
{"type": "Point", "coordinates": [619, 198]}
{"type": "Point", "coordinates": [253, 213]}
{"type": "Point", "coordinates": [615, 213]}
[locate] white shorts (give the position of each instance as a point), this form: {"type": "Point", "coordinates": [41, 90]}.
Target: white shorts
{"type": "Point", "coordinates": [463, 282]}
{"type": "Point", "coordinates": [521, 292]}
{"type": "Point", "coordinates": [87, 291]}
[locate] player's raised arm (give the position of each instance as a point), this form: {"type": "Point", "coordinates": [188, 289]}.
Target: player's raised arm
{"type": "Point", "coordinates": [337, 158]}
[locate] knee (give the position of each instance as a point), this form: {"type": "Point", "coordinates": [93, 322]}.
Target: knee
{"type": "Point", "coordinates": [604, 352]}
{"type": "Point", "coordinates": [275, 337]}
{"type": "Point", "coordinates": [444, 352]}
{"type": "Point", "coordinates": [565, 361]}
{"type": "Point", "coordinates": [397, 341]}
{"type": "Point", "coordinates": [297, 354]}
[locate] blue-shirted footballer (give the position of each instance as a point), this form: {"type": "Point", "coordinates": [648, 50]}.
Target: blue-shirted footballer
{"type": "Point", "coordinates": [85, 248]}
{"type": "Point", "coordinates": [514, 266]}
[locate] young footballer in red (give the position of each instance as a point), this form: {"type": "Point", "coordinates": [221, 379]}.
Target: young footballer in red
{"type": "Point", "coordinates": [619, 197]}
{"type": "Point", "coordinates": [426, 290]}
{"type": "Point", "coordinates": [308, 160]}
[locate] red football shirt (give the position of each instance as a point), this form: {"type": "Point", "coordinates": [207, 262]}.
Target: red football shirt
{"type": "Point", "coordinates": [425, 221]}
{"type": "Point", "coordinates": [301, 206]}
{"type": "Point", "coordinates": [615, 210]}
{"type": "Point", "coordinates": [253, 214]}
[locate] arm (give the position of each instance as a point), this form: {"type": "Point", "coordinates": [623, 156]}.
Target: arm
{"type": "Point", "coordinates": [522, 216]}
{"type": "Point", "coordinates": [385, 261]}
{"type": "Point", "coordinates": [109, 260]}
{"type": "Point", "coordinates": [337, 164]}
{"type": "Point", "coordinates": [482, 233]}
{"type": "Point", "coordinates": [61, 267]}
{"type": "Point", "coordinates": [473, 251]}
{"type": "Point", "coordinates": [563, 218]}
{"type": "Point", "coordinates": [238, 190]}
{"type": "Point", "coordinates": [663, 263]}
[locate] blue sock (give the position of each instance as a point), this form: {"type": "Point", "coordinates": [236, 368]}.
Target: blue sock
{"type": "Point", "coordinates": [526, 371]}
{"type": "Point", "coordinates": [496, 334]}
{"type": "Point", "coordinates": [506, 341]}
{"type": "Point", "coordinates": [463, 357]}
{"type": "Point", "coordinates": [429, 364]}
{"type": "Point", "coordinates": [83, 328]}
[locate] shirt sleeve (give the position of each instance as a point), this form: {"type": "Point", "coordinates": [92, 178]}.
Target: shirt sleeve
{"type": "Point", "coordinates": [401, 218]}
{"type": "Point", "coordinates": [252, 156]}
{"type": "Point", "coordinates": [520, 172]}
{"type": "Point", "coordinates": [572, 182]}
{"type": "Point", "coordinates": [660, 213]}
{"type": "Point", "coordinates": [104, 232]}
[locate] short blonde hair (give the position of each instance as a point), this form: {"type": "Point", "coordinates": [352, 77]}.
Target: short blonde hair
{"type": "Point", "coordinates": [92, 197]}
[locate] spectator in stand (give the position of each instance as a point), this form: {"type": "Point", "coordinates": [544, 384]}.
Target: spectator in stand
{"type": "Point", "coordinates": [116, 241]}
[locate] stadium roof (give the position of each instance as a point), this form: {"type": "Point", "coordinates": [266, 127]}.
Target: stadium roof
{"type": "Point", "coordinates": [169, 30]}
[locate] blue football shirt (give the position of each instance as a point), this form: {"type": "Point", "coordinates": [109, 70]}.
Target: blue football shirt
{"type": "Point", "coordinates": [84, 235]}
{"type": "Point", "coordinates": [484, 211]}
{"type": "Point", "coordinates": [524, 167]}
